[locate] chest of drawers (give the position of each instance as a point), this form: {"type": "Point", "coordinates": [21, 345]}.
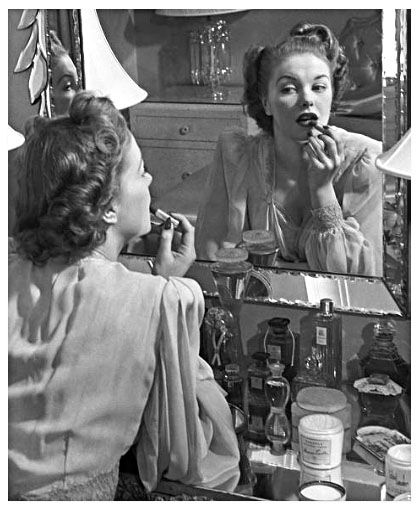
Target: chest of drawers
{"type": "Point", "coordinates": [179, 139]}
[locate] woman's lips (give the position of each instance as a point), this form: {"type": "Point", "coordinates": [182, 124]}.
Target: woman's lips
{"type": "Point", "coordinates": [307, 119]}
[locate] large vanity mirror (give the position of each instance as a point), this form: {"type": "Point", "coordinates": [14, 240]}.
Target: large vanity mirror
{"type": "Point", "coordinates": [376, 42]}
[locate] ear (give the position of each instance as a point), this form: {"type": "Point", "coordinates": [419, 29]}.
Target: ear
{"type": "Point", "coordinates": [266, 106]}
{"type": "Point", "coordinates": [110, 216]}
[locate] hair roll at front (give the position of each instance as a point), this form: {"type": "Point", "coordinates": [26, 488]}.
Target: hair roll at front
{"type": "Point", "coordinates": [69, 175]}
{"type": "Point", "coordinates": [259, 62]}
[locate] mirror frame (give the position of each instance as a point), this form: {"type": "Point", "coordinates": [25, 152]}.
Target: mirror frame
{"type": "Point", "coordinates": [395, 98]}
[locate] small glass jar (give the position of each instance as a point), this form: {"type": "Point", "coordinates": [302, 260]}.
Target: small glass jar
{"type": "Point", "coordinates": [398, 470]}
{"type": "Point", "coordinates": [321, 441]}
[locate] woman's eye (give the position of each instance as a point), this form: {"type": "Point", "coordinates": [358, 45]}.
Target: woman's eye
{"type": "Point", "coordinates": [319, 87]}
{"type": "Point", "coordinates": [288, 89]}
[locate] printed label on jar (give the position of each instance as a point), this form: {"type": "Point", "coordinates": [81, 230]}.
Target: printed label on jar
{"type": "Point", "coordinates": [315, 451]}
{"type": "Point", "coordinates": [274, 351]}
{"type": "Point", "coordinates": [398, 480]}
{"type": "Point", "coordinates": [321, 335]}
{"type": "Point", "coordinates": [256, 383]}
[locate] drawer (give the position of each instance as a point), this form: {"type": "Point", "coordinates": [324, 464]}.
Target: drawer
{"type": "Point", "coordinates": [170, 166]}
{"type": "Point", "coordinates": [202, 123]}
{"type": "Point", "coordinates": [182, 128]}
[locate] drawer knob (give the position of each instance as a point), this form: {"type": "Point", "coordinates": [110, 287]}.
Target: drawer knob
{"type": "Point", "coordinates": [184, 130]}
{"type": "Point", "coordinates": [185, 175]}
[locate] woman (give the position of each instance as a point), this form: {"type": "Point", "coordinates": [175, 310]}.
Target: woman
{"type": "Point", "coordinates": [64, 79]}
{"type": "Point", "coordinates": [101, 357]}
{"type": "Point", "coordinates": [316, 188]}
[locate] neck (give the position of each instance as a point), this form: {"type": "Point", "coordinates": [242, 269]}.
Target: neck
{"type": "Point", "coordinates": [288, 156]}
{"type": "Point", "coordinates": [112, 246]}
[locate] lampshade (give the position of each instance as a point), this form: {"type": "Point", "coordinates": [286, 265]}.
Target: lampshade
{"type": "Point", "coordinates": [397, 160]}
{"type": "Point", "coordinates": [14, 138]}
{"type": "Point", "coordinates": [187, 13]}
{"type": "Point", "coordinates": [103, 72]}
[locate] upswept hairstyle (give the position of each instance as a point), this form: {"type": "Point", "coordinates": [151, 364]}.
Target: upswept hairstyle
{"type": "Point", "coordinates": [69, 175]}
{"type": "Point", "coordinates": [56, 46]}
{"type": "Point", "coordinates": [259, 62]}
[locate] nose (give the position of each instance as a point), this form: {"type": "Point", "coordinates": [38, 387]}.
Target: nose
{"type": "Point", "coordinates": [307, 98]}
{"type": "Point", "coordinates": [149, 177]}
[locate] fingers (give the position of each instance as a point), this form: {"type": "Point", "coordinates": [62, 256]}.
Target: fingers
{"type": "Point", "coordinates": [187, 241]}
{"type": "Point", "coordinates": [165, 243]}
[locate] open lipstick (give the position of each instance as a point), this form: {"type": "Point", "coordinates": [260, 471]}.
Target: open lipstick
{"type": "Point", "coordinates": [319, 127]}
{"type": "Point", "coordinates": [163, 216]}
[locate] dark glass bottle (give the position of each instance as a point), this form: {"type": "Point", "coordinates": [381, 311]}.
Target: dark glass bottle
{"type": "Point", "coordinates": [282, 345]}
{"type": "Point", "coordinates": [258, 406]}
{"type": "Point", "coordinates": [383, 356]}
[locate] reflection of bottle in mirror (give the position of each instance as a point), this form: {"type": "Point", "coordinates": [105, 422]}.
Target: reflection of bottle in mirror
{"type": "Point", "coordinates": [261, 247]}
{"type": "Point", "coordinates": [221, 340]}
{"type": "Point", "coordinates": [258, 407]}
{"type": "Point", "coordinates": [281, 343]}
{"type": "Point", "coordinates": [277, 426]}
{"type": "Point", "coordinates": [328, 343]}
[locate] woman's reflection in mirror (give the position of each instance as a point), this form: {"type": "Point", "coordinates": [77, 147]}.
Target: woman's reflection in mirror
{"type": "Point", "coordinates": [64, 79]}
{"type": "Point", "coordinates": [312, 184]}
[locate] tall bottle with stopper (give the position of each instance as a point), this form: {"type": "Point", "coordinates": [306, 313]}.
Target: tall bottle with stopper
{"type": "Point", "coordinates": [277, 425]}
{"type": "Point", "coordinates": [328, 343]}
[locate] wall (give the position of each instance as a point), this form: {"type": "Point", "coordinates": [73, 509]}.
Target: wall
{"type": "Point", "coordinates": [160, 43]}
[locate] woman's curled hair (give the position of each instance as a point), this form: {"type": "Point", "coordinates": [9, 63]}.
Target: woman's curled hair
{"type": "Point", "coordinates": [68, 178]}
{"type": "Point", "coordinates": [304, 38]}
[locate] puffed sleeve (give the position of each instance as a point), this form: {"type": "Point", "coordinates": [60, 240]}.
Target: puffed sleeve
{"type": "Point", "coordinates": [221, 217]}
{"type": "Point", "coordinates": [348, 238]}
{"type": "Point", "coordinates": [186, 432]}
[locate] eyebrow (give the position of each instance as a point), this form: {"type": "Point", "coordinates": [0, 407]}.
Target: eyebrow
{"type": "Point", "coordinates": [67, 76]}
{"type": "Point", "coordinates": [291, 77]}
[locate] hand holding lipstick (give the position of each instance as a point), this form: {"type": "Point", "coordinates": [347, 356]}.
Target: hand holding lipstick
{"type": "Point", "coordinates": [174, 259]}
{"type": "Point", "coordinates": [324, 154]}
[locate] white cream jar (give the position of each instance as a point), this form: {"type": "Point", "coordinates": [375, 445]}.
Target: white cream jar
{"type": "Point", "coordinates": [320, 441]}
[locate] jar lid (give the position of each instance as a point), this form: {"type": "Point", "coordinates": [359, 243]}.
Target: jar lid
{"type": "Point", "coordinates": [321, 424]}
{"type": "Point", "coordinates": [258, 236]}
{"type": "Point", "coordinates": [400, 453]}
{"type": "Point", "coordinates": [231, 255]}
{"type": "Point", "coordinates": [321, 399]}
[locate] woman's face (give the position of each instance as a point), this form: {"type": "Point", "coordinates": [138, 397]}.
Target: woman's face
{"type": "Point", "coordinates": [133, 202]}
{"type": "Point", "coordinates": [299, 89]}
{"type": "Point", "coordinates": [64, 82]}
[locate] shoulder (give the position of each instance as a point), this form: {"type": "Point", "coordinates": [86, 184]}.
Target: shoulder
{"type": "Point", "coordinates": [183, 290]}
{"type": "Point", "coordinates": [357, 145]}
{"type": "Point", "coordinates": [236, 142]}
{"type": "Point", "coordinates": [359, 169]}
{"type": "Point", "coordinates": [106, 277]}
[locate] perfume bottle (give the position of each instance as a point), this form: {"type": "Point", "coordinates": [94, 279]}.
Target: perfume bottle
{"type": "Point", "coordinates": [277, 425]}
{"type": "Point", "coordinates": [258, 407]}
{"type": "Point", "coordinates": [383, 356]}
{"type": "Point", "coordinates": [328, 343]}
{"type": "Point", "coordinates": [281, 343]}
